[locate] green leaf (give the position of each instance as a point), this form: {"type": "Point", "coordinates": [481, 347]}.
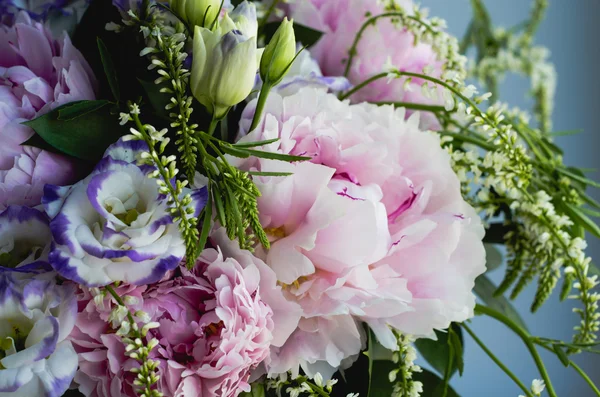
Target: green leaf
{"type": "Point", "coordinates": [38, 142]}
{"type": "Point", "coordinates": [305, 35]}
{"type": "Point", "coordinates": [589, 200]}
{"type": "Point", "coordinates": [433, 385]}
{"type": "Point", "coordinates": [379, 381]}
{"type": "Point", "coordinates": [577, 176]}
{"type": "Point", "coordinates": [206, 224]}
{"type": "Point", "coordinates": [494, 257]}
{"type": "Point", "coordinates": [232, 151]}
{"type": "Point", "coordinates": [73, 393]}
{"type": "Point", "coordinates": [563, 133]}
{"type": "Point", "coordinates": [274, 156]}
{"type": "Point", "coordinates": [562, 356]}
{"type": "Point", "coordinates": [437, 352]}
{"type": "Point", "coordinates": [109, 69]}
{"type": "Point", "coordinates": [73, 110]}
{"type": "Point", "coordinates": [86, 137]}
{"type": "Point", "coordinates": [455, 341]}
{"type": "Point", "coordinates": [254, 144]}
{"type": "Point", "coordinates": [580, 218]}
{"type": "Point", "coordinates": [485, 290]}
{"type": "Point", "coordinates": [370, 354]}
{"type": "Point", "coordinates": [258, 390]}
{"type": "Point", "coordinates": [157, 99]}
{"type": "Point", "coordinates": [261, 173]}
{"type": "Point", "coordinates": [590, 212]}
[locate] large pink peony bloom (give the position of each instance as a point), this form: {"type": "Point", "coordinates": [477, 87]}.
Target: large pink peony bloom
{"type": "Point", "coordinates": [384, 43]}
{"type": "Point", "coordinates": [374, 229]}
{"type": "Point", "coordinates": [37, 74]}
{"type": "Point", "coordinates": [214, 330]}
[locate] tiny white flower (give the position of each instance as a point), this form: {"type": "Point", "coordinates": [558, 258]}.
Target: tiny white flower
{"type": "Point", "coordinates": [318, 379]}
{"type": "Point", "coordinates": [537, 386]}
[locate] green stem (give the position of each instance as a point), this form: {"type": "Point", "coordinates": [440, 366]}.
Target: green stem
{"type": "Point", "coordinates": [448, 372]}
{"type": "Point", "coordinates": [213, 125]}
{"type": "Point", "coordinates": [119, 301]}
{"type": "Point", "coordinates": [497, 361]}
{"type": "Point", "coordinates": [414, 106]}
{"type": "Point", "coordinates": [358, 87]}
{"type": "Point", "coordinates": [316, 388]}
{"type": "Point", "coordinates": [526, 339]}
{"type": "Point", "coordinates": [575, 367]}
{"type": "Point", "coordinates": [372, 20]}
{"type": "Point", "coordinates": [469, 139]}
{"type": "Point", "coordinates": [260, 104]}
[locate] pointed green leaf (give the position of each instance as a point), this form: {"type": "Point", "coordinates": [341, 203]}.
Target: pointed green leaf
{"type": "Point", "coordinates": [433, 385]}
{"type": "Point", "coordinates": [254, 144]}
{"type": "Point", "coordinates": [109, 69]}
{"type": "Point", "coordinates": [274, 156]}
{"type": "Point", "coordinates": [206, 224]}
{"type": "Point", "coordinates": [86, 137]}
{"type": "Point", "coordinates": [73, 110]}
{"type": "Point", "coordinates": [258, 390]}
{"type": "Point", "coordinates": [562, 356]}
{"type": "Point", "coordinates": [577, 176]}
{"type": "Point", "coordinates": [580, 218]}
{"type": "Point", "coordinates": [485, 289]}
{"type": "Point", "coordinates": [455, 341]}
{"type": "Point", "coordinates": [493, 256]}
{"type": "Point", "coordinates": [437, 352]}
{"type": "Point", "coordinates": [261, 173]}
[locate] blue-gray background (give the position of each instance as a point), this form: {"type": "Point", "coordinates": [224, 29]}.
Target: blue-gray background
{"type": "Point", "coordinates": [571, 31]}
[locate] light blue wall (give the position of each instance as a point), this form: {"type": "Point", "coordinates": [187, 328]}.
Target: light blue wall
{"type": "Point", "coordinates": [572, 32]}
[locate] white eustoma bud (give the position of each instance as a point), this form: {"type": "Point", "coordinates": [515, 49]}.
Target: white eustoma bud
{"type": "Point", "coordinates": [197, 12]}
{"type": "Point", "coordinates": [279, 53]}
{"type": "Point", "coordinates": [225, 60]}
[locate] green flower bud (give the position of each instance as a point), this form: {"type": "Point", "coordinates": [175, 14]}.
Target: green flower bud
{"type": "Point", "coordinates": [279, 53]}
{"type": "Point", "coordinates": [196, 12]}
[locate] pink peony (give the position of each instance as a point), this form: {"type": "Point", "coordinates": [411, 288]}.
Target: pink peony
{"type": "Point", "coordinates": [37, 74]}
{"type": "Point", "coordinates": [214, 330]}
{"type": "Point", "coordinates": [381, 44]}
{"type": "Point", "coordinates": [374, 229]}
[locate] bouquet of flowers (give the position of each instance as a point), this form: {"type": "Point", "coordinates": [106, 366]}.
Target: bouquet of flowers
{"type": "Point", "coordinates": [275, 198]}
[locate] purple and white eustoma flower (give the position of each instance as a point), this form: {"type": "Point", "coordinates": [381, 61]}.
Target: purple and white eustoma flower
{"type": "Point", "coordinates": [115, 225]}
{"type": "Point", "coordinates": [24, 240]}
{"type": "Point", "coordinates": [36, 316]}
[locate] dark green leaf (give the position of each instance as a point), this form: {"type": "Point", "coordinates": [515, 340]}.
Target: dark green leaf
{"type": "Point", "coordinates": [305, 35]}
{"type": "Point", "coordinates": [73, 110]}
{"type": "Point", "coordinates": [493, 256]}
{"type": "Point", "coordinates": [379, 381]}
{"type": "Point", "coordinates": [485, 289]}
{"type": "Point", "coordinates": [73, 393]}
{"type": "Point", "coordinates": [370, 354]}
{"type": "Point", "coordinates": [261, 173]}
{"type": "Point", "coordinates": [437, 352]}
{"type": "Point", "coordinates": [589, 200]}
{"type": "Point", "coordinates": [562, 356]}
{"type": "Point", "coordinates": [38, 142]}
{"type": "Point", "coordinates": [563, 133]}
{"type": "Point", "coordinates": [433, 386]}
{"type": "Point", "coordinates": [206, 223]}
{"type": "Point", "coordinates": [157, 99]}
{"type": "Point", "coordinates": [590, 212]}
{"type": "Point", "coordinates": [258, 390]}
{"type": "Point", "coordinates": [85, 138]}
{"type": "Point", "coordinates": [455, 341]}
{"type": "Point", "coordinates": [580, 218]}
{"type": "Point", "coordinates": [109, 69]}
{"type": "Point", "coordinates": [232, 151]}
{"type": "Point", "coordinates": [219, 206]}
{"type": "Point", "coordinates": [256, 143]}
{"type": "Point", "coordinates": [274, 156]}
{"type": "Point", "coordinates": [578, 177]}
